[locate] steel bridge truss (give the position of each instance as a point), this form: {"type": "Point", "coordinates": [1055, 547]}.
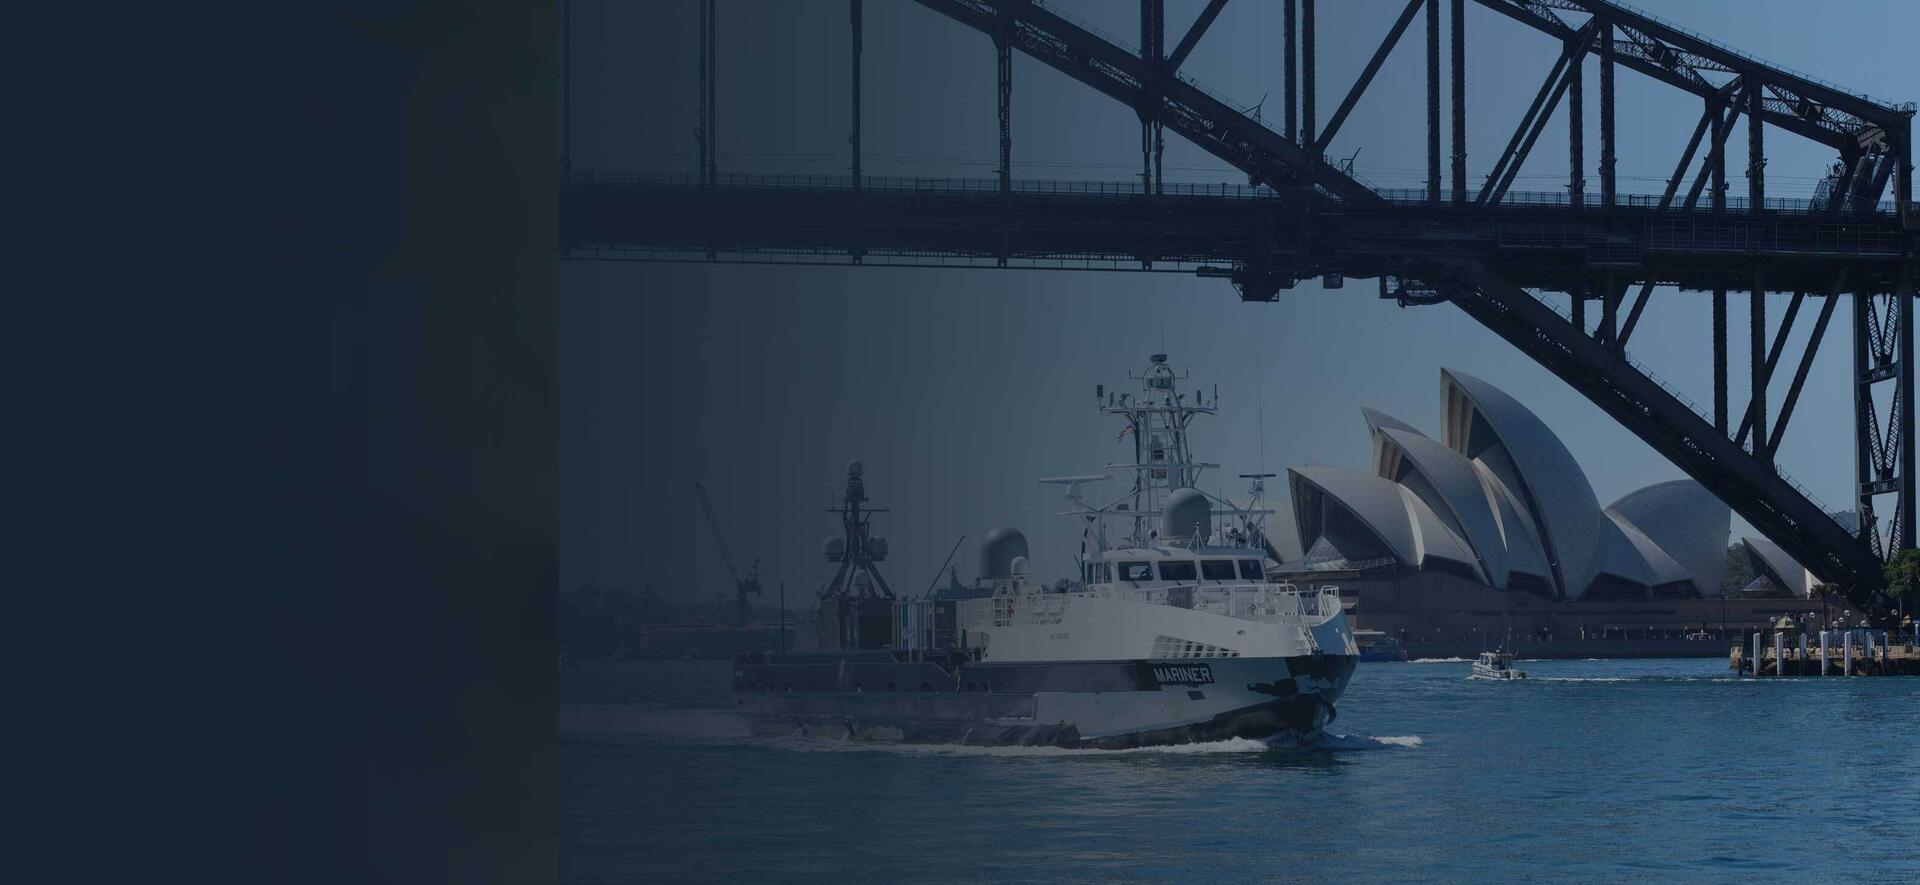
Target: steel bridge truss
{"type": "Point", "coordinates": [1488, 250]}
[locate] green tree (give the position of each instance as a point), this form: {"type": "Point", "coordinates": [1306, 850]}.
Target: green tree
{"type": "Point", "coordinates": [1903, 576]}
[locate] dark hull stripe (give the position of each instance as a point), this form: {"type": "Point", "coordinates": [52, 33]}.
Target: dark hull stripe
{"type": "Point", "coordinates": [995, 704]}
{"type": "Point", "coordinates": [862, 673]}
{"type": "Point", "coordinates": [1298, 716]}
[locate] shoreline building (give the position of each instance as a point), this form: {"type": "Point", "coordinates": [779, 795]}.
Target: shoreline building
{"type": "Point", "coordinates": [1492, 530]}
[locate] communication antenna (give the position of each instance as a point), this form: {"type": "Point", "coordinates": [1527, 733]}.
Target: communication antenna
{"type": "Point", "coordinates": [1260, 400]}
{"type": "Point", "coordinates": [943, 567]}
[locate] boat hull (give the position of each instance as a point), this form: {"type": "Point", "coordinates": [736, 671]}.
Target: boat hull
{"type": "Point", "coordinates": [1492, 675]}
{"type": "Point", "coordinates": [1105, 704]}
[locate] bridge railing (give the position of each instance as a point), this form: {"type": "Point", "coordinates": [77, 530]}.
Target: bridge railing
{"type": "Point", "coordinates": [1408, 196]}
{"type": "Point", "coordinates": [1411, 197]}
{"type": "Point", "coordinates": [1898, 106]}
{"type": "Point", "coordinates": [919, 184]}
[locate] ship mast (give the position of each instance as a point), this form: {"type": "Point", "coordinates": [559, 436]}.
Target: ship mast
{"type": "Point", "coordinates": [1157, 420]}
{"type": "Point", "coordinates": [847, 603]}
{"type": "Point", "coordinates": [1163, 463]}
{"type": "Point", "coordinates": [858, 549]}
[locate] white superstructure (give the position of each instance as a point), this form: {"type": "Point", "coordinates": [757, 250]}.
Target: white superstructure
{"type": "Point", "coordinates": [1166, 570]}
{"type": "Point", "coordinates": [1106, 623]}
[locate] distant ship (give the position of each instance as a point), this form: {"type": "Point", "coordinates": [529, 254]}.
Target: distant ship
{"type": "Point", "coordinates": [1378, 646]}
{"type": "Point", "coordinates": [1172, 632]}
{"type": "Point", "coordinates": [1496, 666]}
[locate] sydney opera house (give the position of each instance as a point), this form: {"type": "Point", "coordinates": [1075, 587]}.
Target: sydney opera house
{"type": "Point", "coordinates": [1490, 529]}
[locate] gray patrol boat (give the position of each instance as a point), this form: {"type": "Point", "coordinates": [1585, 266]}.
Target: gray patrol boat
{"type": "Point", "coordinates": [1171, 633]}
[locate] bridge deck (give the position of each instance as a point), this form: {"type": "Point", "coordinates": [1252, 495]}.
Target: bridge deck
{"type": "Point", "coordinates": [1537, 240]}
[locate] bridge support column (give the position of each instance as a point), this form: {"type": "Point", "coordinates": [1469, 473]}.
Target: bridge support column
{"type": "Point", "coordinates": [1757, 407]}
{"type": "Point", "coordinates": [1863, 420]}
{"type": "Point", "coordinates": [1576, 131]}
{"type": "Point", "coordinates": [1003, 48]}
{"type": "Point", "coordinates": [1717, 153]}
{"type": "Point", "coordinates": [1903, 166]}
{"type": "Point", "coordinates": [1904, 293]}
{"type": "Point", "coordinates": [853, 138]}
{"type": "Point", "coordinates": [1756, 151]}
{"type": "Point", "coordinates": [1433, 101]}
{"type": "Point", "coordinates": [709, 170]}
{"type": "Point", "coordinates": [1903, 427]}
{"type": "Point", "coordinates": [1606, 114]}
{"type": "Point", "coordinates": [1459, 102]}
{"type": "Point", "coordinates": [1308, 137]}
{"type": "Point", "coordinates": [1720, 360]}
{"type": "Point", "coordinates": [1292, 63]}
{"type": "Point", "coordinates": [1152, 130]}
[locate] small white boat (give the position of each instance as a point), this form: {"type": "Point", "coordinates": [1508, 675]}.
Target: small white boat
{"type": "Point", "coordinates": [1496, 665]}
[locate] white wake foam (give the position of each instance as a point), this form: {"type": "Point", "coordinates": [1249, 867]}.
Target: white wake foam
{"type": "Point", "coordinates": [1367, 741]}
{"type": "Point", "coordinates": [824, 744]}
{"type": "Point", "coordinates": [1339, 742]}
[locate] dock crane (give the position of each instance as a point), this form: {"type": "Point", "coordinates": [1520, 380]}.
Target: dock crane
{"type": "Point", "coordinates": [741, 586]}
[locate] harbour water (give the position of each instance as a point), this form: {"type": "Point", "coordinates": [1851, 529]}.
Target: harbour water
{"type": "Point", "coordinates": [1623, 770]}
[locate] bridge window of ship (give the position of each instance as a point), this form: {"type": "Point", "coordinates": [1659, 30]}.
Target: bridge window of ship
{"type": "Point", "coordinates": [1136, 571]}
{"type": "Point", "coordinates": [1177, 570]}
{"type": "Point", "coordinates": [1216, 569]}
{"type": "Point", "coordinates": [1250, 570]}
{"type": "Point", "coordinates": [1175, 647]}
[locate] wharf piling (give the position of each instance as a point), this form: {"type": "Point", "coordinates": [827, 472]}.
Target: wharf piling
{"type": "Point", "coordinates": [1837, 652]}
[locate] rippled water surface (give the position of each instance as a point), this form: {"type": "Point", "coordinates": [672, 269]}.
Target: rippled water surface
{"type": "Point", "coordinates": [1589, 771]}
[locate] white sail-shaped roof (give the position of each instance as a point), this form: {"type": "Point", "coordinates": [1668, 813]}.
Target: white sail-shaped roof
{"type": "Point", "coordinates": [1776, 564]}
{"type": "Point", "coordinates": [1484, 423]}
{"type": "Point", "coordinates": [1432, 536]}
{"type": "Point", "coordinates": [1378, 421]}
{"type": "Point", "coordinates": [1409, 528]}
{"type": "Point", "coordinates": [1687, 522]}
{"type": "Point", "coordinates": [1453, 480]}
{"type": "Point", "coordinates": [1374, 501]}
{"type": "Point", "coordinates": [1651, 565]}
{"type": "Point", "coordinates": [1524, 553]}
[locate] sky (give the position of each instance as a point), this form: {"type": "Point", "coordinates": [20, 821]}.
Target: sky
{"type": "Point", "coordinates": [960, 388]}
